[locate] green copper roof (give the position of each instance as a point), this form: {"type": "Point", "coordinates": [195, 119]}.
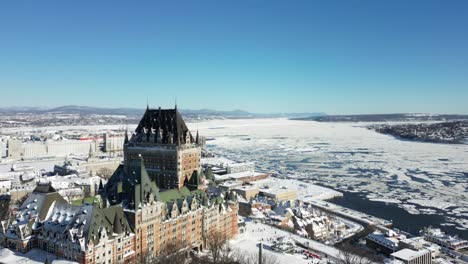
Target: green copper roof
{"type": "Point", "coordinates": [174, 194]}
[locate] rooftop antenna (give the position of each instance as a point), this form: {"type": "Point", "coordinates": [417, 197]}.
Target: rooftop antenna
{"type": "Point", "coordinates": [147, 103]}
{"type": "Point", "coordinates": [175, 103]}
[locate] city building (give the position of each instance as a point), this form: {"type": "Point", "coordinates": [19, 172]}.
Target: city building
{"type": "Point", "coordinates": [279, 194]}
{"type": "Point", "coordinates": [247, 191]}
{"type": "Point", "coordinates": [3, 148]}
{"type": "Point", "coordinates": [386, 243]}
{"type": "Point", "coordinates": [114, 142]}
{"type": "Point", "coordinates": [310, 224]}
{"type": "Point", "coordinates": [244, 176]}
{"type": "Point", "coordinates": [14, 149]}
{"type": "Point", "coordinates": [161, 187]}
{"type": "Point", "coordinates": [230, 185]}
{"type": "Point", "coordinates": [418, 243]}
{"type": "Point", "coordinates": [253, 206]}
{"type": "Point", "coordinates": [438, 237]}
{"type": "Point", "coordinates": [139, 212]}
{"type": "Point", "coordinates": [50, 148]}
{"type": "Point", "coordinates": [85, 234]}
{"type": "Point", "coordinates": [221, 165]}
{"type": "Point", "coordinates": [409, 256]}
{"type": "Point", "coordinates": [240, 167]}
{"type": "Point", "coordinates": [67, 168]}
{"type": "Point", "coordinates": [170, 153]}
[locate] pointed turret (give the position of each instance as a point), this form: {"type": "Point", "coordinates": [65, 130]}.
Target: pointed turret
{"type": "Point", "coordinates": [117, 225]}
{"type": "Point", "coordinates": [197, 139]}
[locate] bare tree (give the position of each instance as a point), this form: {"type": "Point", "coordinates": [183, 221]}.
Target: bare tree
{"type": "Point", "coordinates": [349, 255]}
{"type": "Point", "coordinates": [218, 247]}
{"type": "Point", "coordinates": [246, 258]}
{"type": "Point", "coordinates": [171, 253]}
{"type": "Point", "coordinates": [104, 173]}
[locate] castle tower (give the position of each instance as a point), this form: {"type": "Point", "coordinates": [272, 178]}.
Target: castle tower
{"type": "Point", "coordinates": [170, 153]}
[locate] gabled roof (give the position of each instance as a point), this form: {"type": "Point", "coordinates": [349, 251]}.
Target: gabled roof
{"type": "Point", "coordinates": [131, 185]}
{"type": "Point", "coordinates": [38, 204]}
{"type": "Point", "coordinates": [104, 219]}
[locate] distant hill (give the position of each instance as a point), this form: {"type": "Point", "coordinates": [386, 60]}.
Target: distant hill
{"type": "Point", "coordinates": [87, 110]}
{"type": "Point", "coordinates": [76, 109]}
{"type": "Point", "coordinates": [404, 117]}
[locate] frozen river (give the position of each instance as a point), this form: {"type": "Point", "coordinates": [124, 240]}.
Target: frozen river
{"type": "Point", "coordinates": [417, 178]}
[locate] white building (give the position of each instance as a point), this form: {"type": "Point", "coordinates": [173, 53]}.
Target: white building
{"type": "Point", "coordinates": [409, 256]}
{"type": "Point", "coordinates": [418, 243]}
{"type": "Point", "coordinates": [240, 167]}
{"type": "Point", "coordinates": [3, 148]}
{"type": "Point", "coordinates": [61, 148]}
{"type": "Point", "coordinates": [435, 235]}
{"type": "Point", "coordinates": [69, 147]}
{"type": "Point", "coordinates": [113, 141]}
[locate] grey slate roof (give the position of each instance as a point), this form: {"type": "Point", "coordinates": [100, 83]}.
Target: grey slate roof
{"type": "Point", "coordinates": [168, 121]}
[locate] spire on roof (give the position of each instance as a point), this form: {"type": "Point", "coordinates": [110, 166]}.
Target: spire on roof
{"type": "Point", "coordinates": [101, 186]}
{"type": "Point", "coordinates": [197, 139]}
{"type": "Point", "coordinates": [126, 136]}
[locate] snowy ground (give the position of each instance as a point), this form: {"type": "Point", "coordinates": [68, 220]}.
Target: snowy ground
{"type": "Point", "coordinates": [422, 178]}
{"type": "Point", "coordinates": [34, 256]}
{"type": "Point", "coordinates": [258, 232]}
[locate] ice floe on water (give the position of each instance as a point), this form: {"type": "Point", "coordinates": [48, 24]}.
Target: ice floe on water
{"type": "Point", "coordinates": [421, 178]}
{"type": "Point", "coordinates": [435, 203]}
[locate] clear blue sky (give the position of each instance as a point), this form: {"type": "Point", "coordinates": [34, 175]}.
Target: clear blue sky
{"type": "Point", "coordinates": [362, 56]}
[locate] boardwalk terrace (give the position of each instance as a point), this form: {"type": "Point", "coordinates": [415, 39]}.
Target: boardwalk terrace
{"type": "Point", "coordinates": [171, 153]}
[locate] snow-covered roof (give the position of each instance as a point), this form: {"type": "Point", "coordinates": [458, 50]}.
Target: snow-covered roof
{"type": "Point", "coordinates": [237, 175]}
{"type": "Point", "coordinates": [409, 254]}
